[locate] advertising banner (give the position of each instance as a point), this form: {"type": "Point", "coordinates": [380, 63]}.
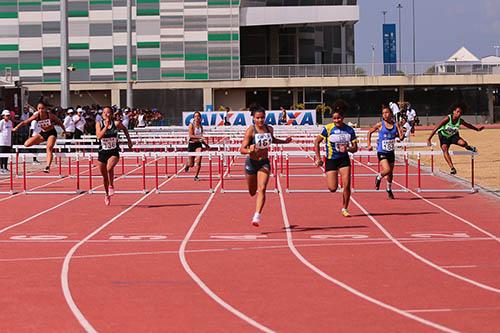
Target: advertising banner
{"type": "Point", "coordinates": [243, 118]}
{"type": "Point", "coordinates": [389, 42]}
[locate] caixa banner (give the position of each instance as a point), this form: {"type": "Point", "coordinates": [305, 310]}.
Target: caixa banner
{"type": "Point", "coordinates": [243, 118]}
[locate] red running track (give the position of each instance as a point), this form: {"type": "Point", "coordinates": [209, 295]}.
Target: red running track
{"type": "Point", "coordinates": [192, 261]}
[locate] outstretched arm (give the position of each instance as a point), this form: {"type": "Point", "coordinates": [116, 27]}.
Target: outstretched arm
{"type": "Point", "coordinates": [120, 126]}
{"type": "Point", "coordinates": [466, 124]}
{"type": "Point", "coordinates": [25, 122]}
{"type": "Point", "coordinates": [57, 121]}
{"type": "Point", "coordinates": [317, 148]}
{"type": "Point", "coordinates": [245, 148]}
{"type": "Point", "coordinates": [372, 130]}
{"type": "Point", "coordinates": [400, 132]}
{"type": "Point", "coordinates": [279, 141]}
{"type": "Point", "coordinates": [441, 123]}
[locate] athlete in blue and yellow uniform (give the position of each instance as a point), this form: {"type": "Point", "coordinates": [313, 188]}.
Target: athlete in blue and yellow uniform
{"type": "Point", "coordinates": [447, 130]}
{"type": "Point", "coordinates": [340, 141]}
{"type": "Point", "coordinates": [389, 130]}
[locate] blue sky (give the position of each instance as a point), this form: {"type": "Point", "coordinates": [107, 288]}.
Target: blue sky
{"type": "Point", "coordinates": [442, 27]}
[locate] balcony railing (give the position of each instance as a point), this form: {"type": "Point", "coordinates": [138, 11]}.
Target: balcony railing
{"type": "Point", "coordinates": [365, 70]}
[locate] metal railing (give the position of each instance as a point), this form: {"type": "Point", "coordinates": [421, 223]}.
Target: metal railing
{"type": "Point", "coordinates": [366, 70]}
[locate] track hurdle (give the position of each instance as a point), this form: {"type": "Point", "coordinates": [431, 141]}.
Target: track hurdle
{"type": "Point", "coordinates": [471, 189]}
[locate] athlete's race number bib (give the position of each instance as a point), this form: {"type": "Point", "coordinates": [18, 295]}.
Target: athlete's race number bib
{"type": "Point", "coordinates": [388, 145]}
{"type": "Point", "coordinates": [451, 130]}
{"type": "Point", "coordinates": [109, 143]}
{"type": "Point", "coordinates": [263, 140]}
{"type": "Point", "coordinates": [340, 140]}
{"type": "Point", "coordinates": [44, 123]}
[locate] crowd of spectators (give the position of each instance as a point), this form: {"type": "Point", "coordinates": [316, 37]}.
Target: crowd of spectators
{"type": "Point", "coordinates": [81, 119]}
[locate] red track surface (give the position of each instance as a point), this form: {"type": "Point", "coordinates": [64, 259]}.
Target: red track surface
{"type": "Point", "coordinates": [404, 265]}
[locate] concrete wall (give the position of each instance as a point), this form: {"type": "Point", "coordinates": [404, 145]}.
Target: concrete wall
{"type": "Point", "coordinates": [101, 97]}
{"type": "Point", "coordinates": [235, 98]}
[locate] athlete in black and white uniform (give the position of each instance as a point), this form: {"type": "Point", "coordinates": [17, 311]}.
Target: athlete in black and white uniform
{"type": "Point", "coordinates": [258, 138]}
{"type": "Point", "coordinates": [196, 143]}
{"type": "Point", "coordinates": [109, 151]}
{"type": "Point", "coordinates": [46, 122]}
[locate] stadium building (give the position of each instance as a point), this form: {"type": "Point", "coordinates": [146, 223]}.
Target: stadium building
{"type": "Point", "coordinates": [203, 54]}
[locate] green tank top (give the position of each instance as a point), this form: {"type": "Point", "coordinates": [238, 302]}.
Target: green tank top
{"type": "Point", "coordinates": [449, 129]}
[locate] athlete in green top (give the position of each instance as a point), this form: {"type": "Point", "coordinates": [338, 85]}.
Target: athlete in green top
{"type": "Point", "coordinates": [447, 130]}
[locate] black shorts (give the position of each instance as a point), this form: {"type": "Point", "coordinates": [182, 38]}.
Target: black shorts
{"type": "Point", "coordinates": [389, 156]}
{"type": "Point", "coordinates": [47, 134]}
{"type": "Point", "coordinates": [192, 146]}
{"type": "Point", "coordinates": [253, 166]}
{"type": "Point", "coordinates": [104, 155]}
{"type": "Point", "coordinates": [452, 140]}
{"type": "Point", "coordinates": [78, 134]}
{"type": "Point", "coordinates": [338, 163]}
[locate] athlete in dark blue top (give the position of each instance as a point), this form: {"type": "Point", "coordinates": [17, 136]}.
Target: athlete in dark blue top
{"type": "Point", "coordinates": [108, 156]}
{"type": "Point", "coordinates": [389, 130]}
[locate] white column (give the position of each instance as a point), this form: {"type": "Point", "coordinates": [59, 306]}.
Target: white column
{"type": "Point", "coordinates": [208, 98]}
{"type": "Point", "coordinates": [115, 97]}
{"type": "Point", "coordinates": [491, 107]}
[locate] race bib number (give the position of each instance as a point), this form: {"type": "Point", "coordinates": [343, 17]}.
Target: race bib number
{"type": "Point", "coordinates": [450, 130]}
{"type": "Point", "coordinates": [263, 140]}
{"type": "Point", "coordinates": [340, 140]}
{"type": "Point", "coordinates": [388, 145]}
{"type": "Point", "coordinates": [45, 123]}
{"type": "Point", "coordinates": [109, 143]}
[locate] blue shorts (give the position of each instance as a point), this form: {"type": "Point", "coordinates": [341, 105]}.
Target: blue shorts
{"type": "Point", "coordinates": [253, 166]}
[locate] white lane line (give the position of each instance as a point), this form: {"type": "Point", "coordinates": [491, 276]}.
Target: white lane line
{"type": "Point", "coordinates": [344, 285]}
{"type": "Point", "coordinates": [57, 206]}
{"type": "Point", "coordinates": [419, 257]}
{"type": "Point", "coordinates": [454, 310]}
{"type": "Point", "coordinates": [87, 326]}
{"type": "Point", "coordinates": [472, 225]}
{"type": "Point", "coordinates": [346, 242]}
{"type": "Point", "coordinates": [199, 281]}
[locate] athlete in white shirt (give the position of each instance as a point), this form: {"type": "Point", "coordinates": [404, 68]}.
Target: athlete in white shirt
{"type": "Point", "coordinates": [140, 120]}
{"type": "Point", "coordinates": [125, 118]}
{"type": "Point", "coordinates": [80, 122]}
{"type": "Point", "coordinates": [411, 114]}
{"type": "Point", "coordinates": [395, 110]}
{"type": "Point", "coordinates": [5, 139]}
{"type": "Point", "coordinates": [69, 124]}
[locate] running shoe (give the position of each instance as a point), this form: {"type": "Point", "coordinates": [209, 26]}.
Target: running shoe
{"type": "Point", "coordinates": [47, 169]}
{"type": "Point", "coordinates": [36, 162]}
{"type": "Point", "coordinates": [196, 179]}
{"type": "Point", "coordinates": [186, 168]}
{"type": "Point", "coordinates": [377, 183]}
{"type": "Point", "coordinates": [107, 200]}
{"type": "Point", "coordinates": [473, 149]}
{"type": "Point", "coordinates": [390, 195]}
{"type": "Point", "coordinates": [256, 220]}
{"type": "Point", "coordinates": [345, 213]}
{"type": "Point", "coordinates": [111, 190]}
{"type": "Point", "coordinates": [453, 171]}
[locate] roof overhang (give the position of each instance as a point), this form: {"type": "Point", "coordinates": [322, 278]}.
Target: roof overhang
{"type": "Point", "coordinates": [282, 15]}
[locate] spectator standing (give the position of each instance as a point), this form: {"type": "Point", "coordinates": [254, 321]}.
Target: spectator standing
{"type": "Point", "coordinates": [5, 139]}
{"type": "Point", "coordinates": [80, 122]}
{"type": "Point", "coordinates": [69, 124]}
